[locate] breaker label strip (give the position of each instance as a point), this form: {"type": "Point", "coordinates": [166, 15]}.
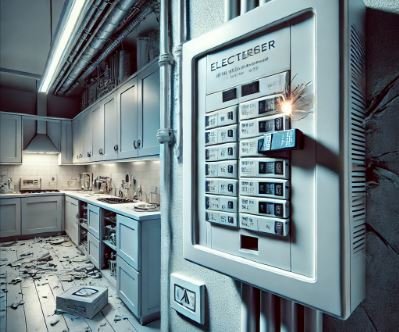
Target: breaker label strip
{"type": "Point", "coordinates": [221, 203]}
{"type": "Point", "coordinates": [223, 169]}
{"type": "Point", "coordinates": [256, 127]}
{"type": "Point", "coordinates": [271, 188]}
{"type": "Point", "coordinates": [260, 107]}
{"type": "Point", "coordinates": [221, 186]}
{"type": "Point", "coordinates": [264, 167]}
{"type": "Point", "coordinates": [221, 135]}
{"type": "Point", "coordinates": [221, 152]}
{"type": "Point", "coordinates": [223, 117]}
{"type": "Point", "coordinates": [275, 226]}
{"type": "Point", "coordinates": [264, 206]}
{"type": "Point", "coordinates": [222, 218]}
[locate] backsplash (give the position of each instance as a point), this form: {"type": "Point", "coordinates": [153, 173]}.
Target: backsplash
{"type": "Point", "coordinates": [142, 174]}
{"type": "Point", "coordinates": [46, 166]}
{"type": "Point", "coordinates": [145, 173]}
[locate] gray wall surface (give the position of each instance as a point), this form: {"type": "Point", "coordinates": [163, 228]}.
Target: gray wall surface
{"type": "Point", "coordinates": [379, 312]}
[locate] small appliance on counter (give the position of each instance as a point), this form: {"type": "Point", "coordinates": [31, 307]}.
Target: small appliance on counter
{"type": "Point", "coordinates": [103, 184]}
{"type": "Point", "coordinates": [6, 184]}
{"type": "Point", "coordinates": [33, 184]}
{"type": "Point", "coordinates": [86, 180]}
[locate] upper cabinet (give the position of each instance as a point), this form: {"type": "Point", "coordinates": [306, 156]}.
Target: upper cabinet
{"type": "Point", "coordinates": [10, 139]}
{"type": "Point", "coordinates": [128, 123]}
{"type": "Point", "coordinates": [149, 116]}
{"type": "Point", "coordinates": [122, 125]}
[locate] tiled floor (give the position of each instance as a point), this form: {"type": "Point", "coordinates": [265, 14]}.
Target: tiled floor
{"type": "Point", "coordinates": [33, 272]}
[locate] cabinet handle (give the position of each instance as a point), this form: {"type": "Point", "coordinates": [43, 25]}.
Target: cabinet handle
{"type": "Point", "coordinates": [89, 154]}
{"type": "Point", "coordinates": [138, 143]}
{"type": "Point", "coordinates": [100, 151]}
{"type": "Point", "coordinates": [134, 144]}
{"type": "Point", "coordinates": [116, 147]}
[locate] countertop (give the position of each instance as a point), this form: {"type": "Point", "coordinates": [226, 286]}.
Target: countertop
{"type": "Point", "coordinates": [125, 209]}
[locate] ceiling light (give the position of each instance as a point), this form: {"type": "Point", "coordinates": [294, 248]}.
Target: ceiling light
{"type": "Point", "coordinates": [63, 38]}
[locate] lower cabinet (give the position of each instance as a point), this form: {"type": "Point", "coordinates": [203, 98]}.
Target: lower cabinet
{"type": "Point", "coordinates": [93, 250]}
{"type": "Point", "coordinates": [10, 217]}
{"type": "Point", "coordinates": [71, 219]}
{"type": "Point", "coordinates": [129, 285]}
{"type": "Point", "coordinates": [139, 266]}
{"type": "Point", "coordinates": [42, 214]}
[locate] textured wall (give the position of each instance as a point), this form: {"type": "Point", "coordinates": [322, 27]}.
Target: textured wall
{"type": "Point", "coordinates": [379, 311]}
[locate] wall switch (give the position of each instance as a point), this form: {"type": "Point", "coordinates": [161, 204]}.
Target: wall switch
{"type": "Point", "coordinates": [187, 296]}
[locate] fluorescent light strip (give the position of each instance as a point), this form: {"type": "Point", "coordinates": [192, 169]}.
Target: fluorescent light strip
{"type": "Point", "coordinates": [60, 45]}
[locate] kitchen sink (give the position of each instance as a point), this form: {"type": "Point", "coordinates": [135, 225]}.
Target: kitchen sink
{"type": "Point", "coordinates": [116, 200]}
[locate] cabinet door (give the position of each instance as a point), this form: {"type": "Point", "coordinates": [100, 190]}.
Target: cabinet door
{"type": "Point", "coordinates": [149, 111]}
{"type": "Point", "coordinates": [93, 220]}
{"type": "Point", "coordinates": [10, 139]}
{"type": "Point", "coordinates": [71, 219]}
{"type": "Point", "coordinates": [97, 123]}
{"type": "Point", "coordinates": [128, 240]}
{"type": "Point", "coordinates": [41, 214]}
{"type": "Point", "coordinates": [86, 135]}
{"type": "Point", "coordinates": [128, 285]}
{"type": "Point", "coordinates": [77, 140]}
{"type": "Point", "coordinates": [66, 143]}
{"type": "Point", "coordinates": [10, 217]}
{"type": "Point", "coordinates": [93, 250]}
{"type": "Point", "coordinates": [111, 132]}
{"type": "Point", "coordinates": [128, 114]}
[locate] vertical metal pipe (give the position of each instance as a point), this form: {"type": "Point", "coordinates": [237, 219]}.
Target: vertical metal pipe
{"type": "Point", "coordinates": [230, 9]}
{"type": "Point", "coordinates": [249, 308]}
{"type": "Point", "coordinates": [268, 312]}
{"type": "Point", "coordinates": [313, 320]}
{"type": "Point", "coordinates": [165, 64]}
{"type": "Point", "coordinates": [247, 5]}
{"type": "Point", "coordinates": [288, 316]}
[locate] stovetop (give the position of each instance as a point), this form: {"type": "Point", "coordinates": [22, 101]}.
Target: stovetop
{"type": "Point", "coordinates": [116, 200]}
{"type": "Point", "coordinates": [39, 191]}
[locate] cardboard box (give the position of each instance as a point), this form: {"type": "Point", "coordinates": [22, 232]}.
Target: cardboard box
{"type": "Point", "coordinates": [85, 301]}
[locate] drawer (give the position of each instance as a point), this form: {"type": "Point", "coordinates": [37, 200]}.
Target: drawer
{"type": "Point", "coordinates": [128, 240]}
{"type": "Point", "coordinates": [93, 250]}
{"type": "Point", "coordinates": [129, 286]}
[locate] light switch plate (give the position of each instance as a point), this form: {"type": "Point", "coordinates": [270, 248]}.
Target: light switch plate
{"type": "Point", "coordinates": [187, 296]}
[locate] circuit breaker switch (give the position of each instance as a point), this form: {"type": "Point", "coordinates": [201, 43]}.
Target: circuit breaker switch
{"type": "Point", "coordinates": [282, 140]}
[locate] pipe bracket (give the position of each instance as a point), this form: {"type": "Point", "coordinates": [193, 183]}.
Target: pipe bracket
{"type": "Point", "coordinates": [166, 135]}
{"type": "Point", "coordinates": [165, 58]}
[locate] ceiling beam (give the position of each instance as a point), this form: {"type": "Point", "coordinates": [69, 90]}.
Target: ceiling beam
{"type": "Point", "coordinates": [36, 77]}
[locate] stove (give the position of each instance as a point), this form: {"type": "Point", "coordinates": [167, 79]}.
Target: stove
{"type": "Point", "coordinates": [116, 200]}
{"type": "Point", "coordinates": [39, 191]}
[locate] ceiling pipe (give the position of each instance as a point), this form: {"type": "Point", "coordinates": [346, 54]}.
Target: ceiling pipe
{"type": "Point", "coordinates": [95, 11]}
{"type": "Point", "coordinates": [230, 9]}
{"type": "Point", "coordinates": [110, 48]}
{"type": "Point", "coordinates": [101, 37]}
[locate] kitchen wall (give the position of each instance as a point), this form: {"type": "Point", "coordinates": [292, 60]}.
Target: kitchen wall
{"type": "Point", "coordinates": [379, 310]}
{"type": "Point", "coordinates": [45, 166]}
{"type": "Point", "coordinates": [145, 174]}
{"type": "Point", "coordinates": [141, 173]}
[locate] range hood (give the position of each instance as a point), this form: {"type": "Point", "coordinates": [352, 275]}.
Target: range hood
{"type": "Point", "coordinates": [41, 143]}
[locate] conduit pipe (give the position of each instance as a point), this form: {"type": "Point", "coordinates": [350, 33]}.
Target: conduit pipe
{"type": "Point", "coordinates": [95, 11]}
{"type": "Point", "coordinates": [98, 41]}
{"type": "Point", "coordinates": [249, 308]}
{"type": "Point", "coordinates": [165, 136]}
{"type": "Point", "coordinates": [230, 9]}
{"type": "Point", "coordinates": [268, 312]}
{"type": "Point", "coordinates": [247, 5]}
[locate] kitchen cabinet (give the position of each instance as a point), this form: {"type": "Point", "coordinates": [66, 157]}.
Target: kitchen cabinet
{"type": "Point", "coordinates": [66, 155]}
{"type": "Point", "coordinates": [71, 219]}
{"type": "Point", "coordinates": [93, 220]}
{"type": "Point", "coordinates": [98, 132]}
{"type": "Point", "coordinates": [111, 128]}
{"type": "Point", "coordinates": [10, 217]}
{"type": "Point", "coordinates": [77, 147]}
{"type": "Point", "coordinates": [93, 250]}
{"type": "Point", "coordinates": [86, 134]}
{"type": "Point", "coordinates": [138, 266]}
{"type": "Point", "coordinates": [10, 139]}
{"type": "Point", "coordinates": [149, 116]}
{"type": "Point", "coordinates": [128, 119]}
{"type": "Point", "coordinates": [42, 214]}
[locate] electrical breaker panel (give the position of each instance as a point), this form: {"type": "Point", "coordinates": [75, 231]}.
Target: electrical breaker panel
{"type": "Point", "coordinates": [274, 142]}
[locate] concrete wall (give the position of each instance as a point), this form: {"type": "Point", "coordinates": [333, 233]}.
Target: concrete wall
{"type": "Point", "coordinates": [379, 311]}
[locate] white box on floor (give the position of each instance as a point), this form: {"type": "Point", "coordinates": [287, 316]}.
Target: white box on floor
{"type": "Point", "coordinates": [85, 301]}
